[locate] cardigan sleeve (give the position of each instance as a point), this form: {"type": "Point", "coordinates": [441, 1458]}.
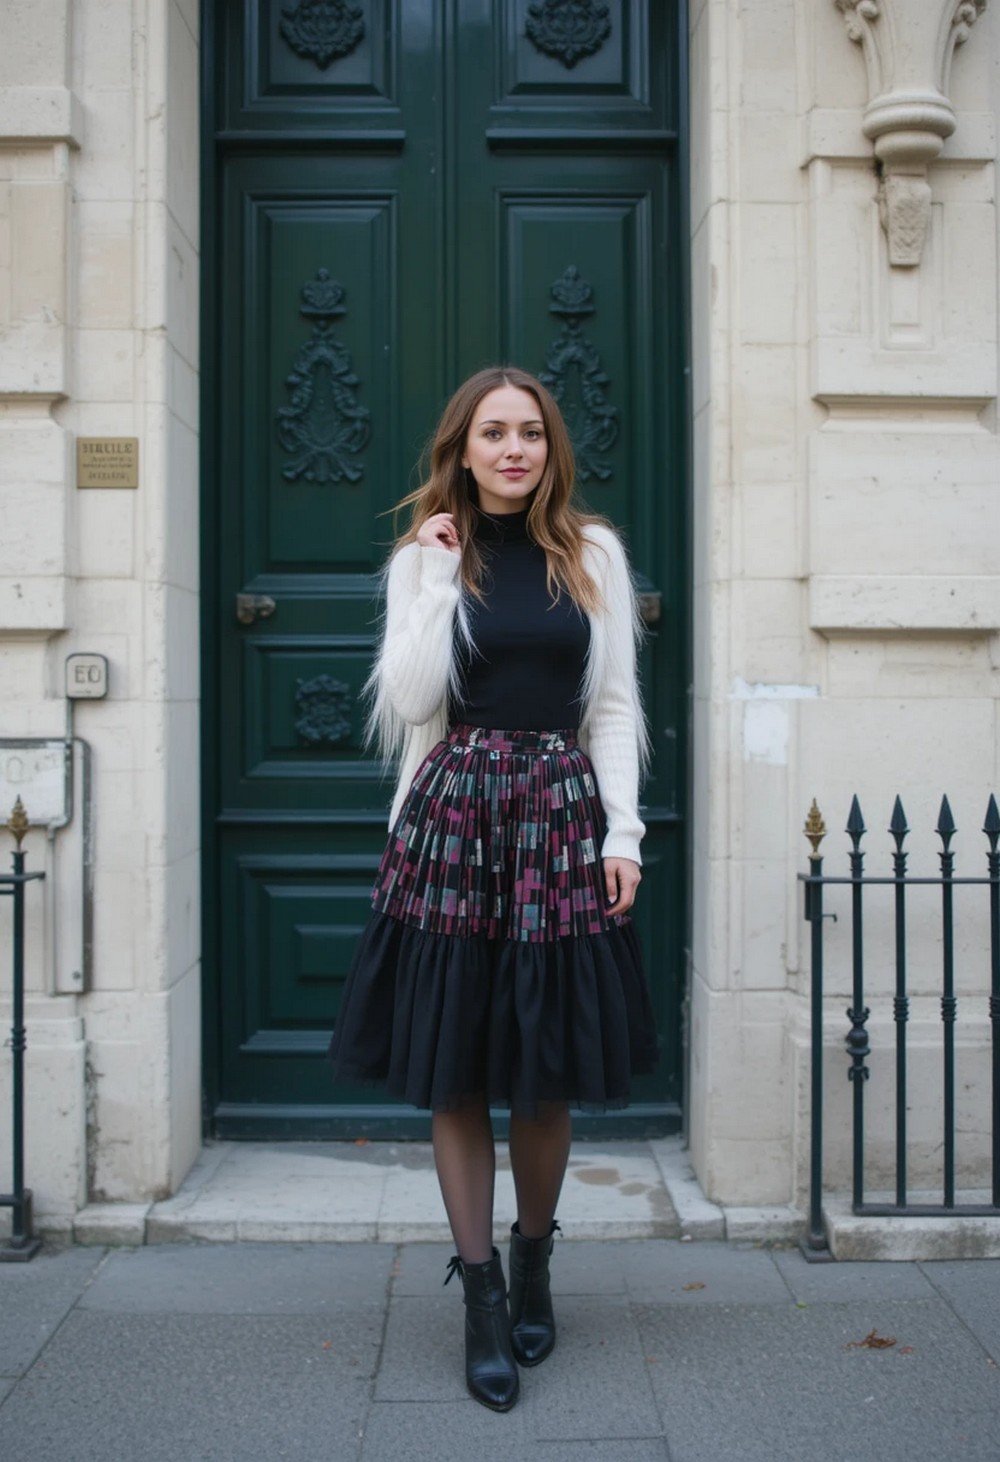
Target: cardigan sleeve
{"type": "Point", "coordinates": [615, 729]}
{"type": "Point", "coordinates": [422, 593]}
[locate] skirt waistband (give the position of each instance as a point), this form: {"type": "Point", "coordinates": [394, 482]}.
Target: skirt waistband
{"type": "Point", "coordinates": [482, 739]}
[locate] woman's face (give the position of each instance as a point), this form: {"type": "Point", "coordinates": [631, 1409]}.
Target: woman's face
{"type": "Point", "coordinates": [506, 449]}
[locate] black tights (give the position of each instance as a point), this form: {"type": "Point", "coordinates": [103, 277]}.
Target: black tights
{"type": "Point", "coordinates": [465, 1157]}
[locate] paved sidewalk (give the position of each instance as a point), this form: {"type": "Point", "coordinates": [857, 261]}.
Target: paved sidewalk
{"type": "Point", "coordinates": [668, 1350]}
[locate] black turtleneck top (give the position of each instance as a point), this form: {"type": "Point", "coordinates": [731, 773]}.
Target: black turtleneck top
{"type": "Point", "coordinates": [526, 668]}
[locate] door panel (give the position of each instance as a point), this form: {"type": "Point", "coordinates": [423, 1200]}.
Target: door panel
{"type": "Point", "coordinates": [397, 194]}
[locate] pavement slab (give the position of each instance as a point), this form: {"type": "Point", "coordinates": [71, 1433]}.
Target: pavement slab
{"type": "Point", "coordinates": [972, 1289]}
{"type": "Point", "coordinates": [706, 1273]}
{"type": "Point", "coordinates": [594, 1385]}
{"type": "Point", "coordinates": [35, 1298]}
{"type": "Point", "coordinates": [243, 1279]}
{"type": "Point", "coordinates": [444, 1431]}
{"type": "Point", "coordinates": [422, 1355]}
{"type": "Point", "coordinates": [227, 1388]}
{"type": "Point", "coordinates": [774, 1384]}
{"type": "Point", "coordinates": [458, 1431]}
{"type": "Point", "coordinates": [847, 1281]}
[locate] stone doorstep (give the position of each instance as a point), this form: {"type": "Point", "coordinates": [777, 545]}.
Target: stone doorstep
{"type": "Point", "coordinates": [219, 1204]}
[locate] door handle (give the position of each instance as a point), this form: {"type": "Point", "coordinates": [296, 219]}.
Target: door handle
{"type": "Point", "coordinates": [650, 605]}
{"type": "Point", "coordinates": [254, 606]}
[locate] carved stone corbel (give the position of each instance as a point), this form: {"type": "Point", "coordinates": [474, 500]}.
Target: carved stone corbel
{"type": "Point", "coordinates": [908, 47]}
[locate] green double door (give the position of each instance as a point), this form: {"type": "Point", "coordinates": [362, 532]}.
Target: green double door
{"type": "Point", "coordinates": [396, 194]}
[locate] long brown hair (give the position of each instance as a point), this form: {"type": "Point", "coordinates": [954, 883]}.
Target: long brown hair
{"type": "Point", "coordinates": [553, 522]}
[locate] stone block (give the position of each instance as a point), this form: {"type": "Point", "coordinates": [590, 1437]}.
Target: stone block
{"type": "Point", "coordinates": [105, 36]}
{"type": "Point", "coordinates": [182, 294]}
{"type": "Point", "coordinates": [55, 1111]}
{"type": "Point", "coordinates": [710, 270]}
{"type": "Point", "coordinates": [182, 396]}
{"type": "Point", "coordinates": [769, 158]}
{"type": "Point", "coordinates": [104, 365]}
{"type": "Point", "coordinates": [37, 41]}
{"type": "Point", "coordinates": [767, 66]}
{"type": "Point", "coordinates": [105, 233]}
{"type": "Point", "coordinates": [744, 1094]}
{"type": "Point", "coordinates": [769, 289]}
{"type": "Point", "coordinates": [765, 389]}
{"type": "Point", "coordinates": [923, 497]}
{"type": "Point", "coordinates": [908, 666]}
{"type": "Point", "coordinates": [952, 604]}
{"type": "Point", "coordinates": [769, 646]}
{"type": "Point", "coordinates": [106, 527]}
{"type": "Point", "coordinates": [183, 116]}
{"type": "Point", "coordinates": [130, 1119]}
{"type": "Point", "coordinates": [33, 299]}
{"type": "Point", "coordinates": [766, 891]}
{"type": "Point", "coordinates": [859, 1238]}
{"type": "Point", "coordinates": [774, 1224]}
{"type": "Point", "coordinates": [38, 114]}
{"type": "Point", "coordinates": [772, 530]}
{"type": "Point", "coordinates": [184, 1035]}
{"type": "Point", "coordinates": [105, 170]}
{"type": "Point", "coordinates": [181, 565]}
{"type": "Point", "coordinates": [111, 1223]}
{"type": "Point", "coordinates": [183, 894]}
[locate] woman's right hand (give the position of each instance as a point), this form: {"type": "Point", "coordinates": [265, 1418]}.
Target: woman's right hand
{"type": "Point", "coordinates": [439, 531]}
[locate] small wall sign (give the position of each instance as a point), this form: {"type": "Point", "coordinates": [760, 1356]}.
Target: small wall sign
{"type": "Point", "coordinates": [107, 461]}
{"type": "Point", "coordinates": [86, 677]}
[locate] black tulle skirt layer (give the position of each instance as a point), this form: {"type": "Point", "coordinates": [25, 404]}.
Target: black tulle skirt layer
{"type": "Point", "coordinates": [489, 966]}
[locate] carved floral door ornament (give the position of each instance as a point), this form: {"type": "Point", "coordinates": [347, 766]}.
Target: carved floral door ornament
{"type": "Point", "coordinates": [324, 710]}
{"type": "Point", "coordinates": [908, 47]}
{"type": "Point", "coordinates": [323, 30]}
{"type": "Point", "coordinates": [568, 29]}
{"type": "Point", "coordinates": [577, 379]}
{"type": "Point", "coordinates": [324, 426]}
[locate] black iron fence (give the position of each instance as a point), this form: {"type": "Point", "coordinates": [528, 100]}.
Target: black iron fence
{"type": "Point", "coordinates": [21, 1245]}
{"type": "Point", "coordinates": [858, 1049]}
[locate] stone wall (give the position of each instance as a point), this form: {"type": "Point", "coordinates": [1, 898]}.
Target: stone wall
{"type": "Point", "coordinates": [99, 336]}
{"type": "Point", "coordinates": [846, 594]}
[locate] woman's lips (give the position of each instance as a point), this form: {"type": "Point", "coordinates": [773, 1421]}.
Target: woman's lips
{"type": "Point", "coordinates": [514, 472]}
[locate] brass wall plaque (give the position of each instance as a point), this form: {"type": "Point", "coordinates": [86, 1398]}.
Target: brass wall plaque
{"type": "Point", "coordinates": [107, 461]}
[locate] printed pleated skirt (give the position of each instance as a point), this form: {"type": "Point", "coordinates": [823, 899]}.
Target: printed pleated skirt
{"type": "Point", "coordinates": [489, 965]}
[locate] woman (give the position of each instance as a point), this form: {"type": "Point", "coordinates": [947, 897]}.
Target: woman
{"type": "Point", "coordinates": [499, 965]}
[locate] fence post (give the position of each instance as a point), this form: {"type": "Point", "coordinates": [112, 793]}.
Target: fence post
{"type": "Point", "coordinates": [901, 1001]}
{"type": "Point", "coordinates": [949, 1004]}
{"type": "Point", "coordinates": [22, 1245]}
{"type": "Point", "coordinates": [857, 1036]}
{"type": "Point", "coordinates": [991, 828]}
{"type": "Point", "coordinates": [815, 1247]}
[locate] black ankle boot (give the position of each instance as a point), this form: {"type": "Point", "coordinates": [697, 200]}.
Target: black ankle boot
{"type": "Point", "coordinates": [490, 1372]}
{"type": "Point", "coordinates": [532, 1323]}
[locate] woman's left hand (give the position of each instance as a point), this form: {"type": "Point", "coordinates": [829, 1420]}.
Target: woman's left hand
{"type": "Point", "coordinates": [621, 880]}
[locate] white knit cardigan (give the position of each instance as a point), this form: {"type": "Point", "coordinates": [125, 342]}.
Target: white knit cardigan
{"type": "Point", "coordinates": [416, 668]}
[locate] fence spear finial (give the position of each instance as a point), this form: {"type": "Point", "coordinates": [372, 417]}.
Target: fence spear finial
{"type": "Point", "coordinates": [815, 828]}
{"type": "Point", "coordinates": [945, 824]}
{"type": "Point", "coordinates": [17, 823]}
